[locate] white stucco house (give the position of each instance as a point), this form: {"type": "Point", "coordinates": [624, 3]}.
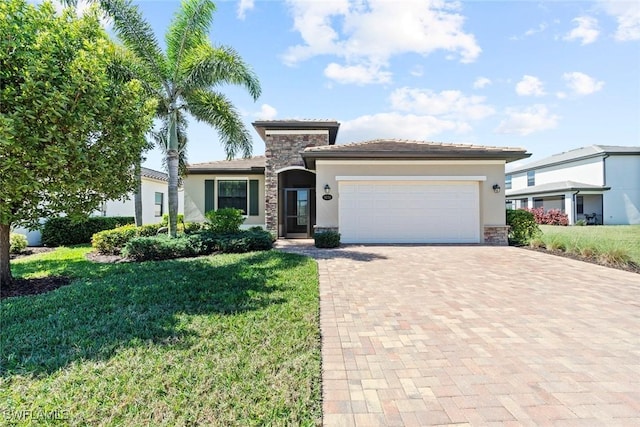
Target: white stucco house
{"type": "Point", "coordinates": [599, 183]}
{"type": "Point", "coordinates": [154, 204]}
{"type": "Point", "coordinates": [380, 191]}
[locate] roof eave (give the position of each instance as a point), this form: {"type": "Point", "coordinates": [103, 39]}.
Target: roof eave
{"type": "Point", "coordinates": [261, 126]}
{"type": "Point", "coordinates": [310, 157]}
{"type": "Point", "coordinates": [227, 171]}
{"type": "Point", "coordinates": [556, 190]}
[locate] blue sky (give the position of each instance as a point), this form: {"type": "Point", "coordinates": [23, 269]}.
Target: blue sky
{"type": "Point", "coordinates": [546, 76]}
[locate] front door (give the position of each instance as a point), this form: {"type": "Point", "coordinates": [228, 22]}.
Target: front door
{"type": "Point", "coordinates": [297, 213]}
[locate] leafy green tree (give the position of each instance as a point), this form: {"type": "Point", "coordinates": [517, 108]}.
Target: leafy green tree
{"type": "Point", "coordinates": [184, 79]}
{"type": "Point", "coordinates": [70, 131]}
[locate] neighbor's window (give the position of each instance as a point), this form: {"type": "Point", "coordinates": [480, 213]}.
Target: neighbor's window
{"type": "Point", "coordinates": [509, 204]}
{"type": "Point", "coordinates": [507, 182]}
{"type": "Point", "coordinates": [580, 205]}
{"type": "Point", "coordinates": [232, 194]}
{"type": "Point", "coordinates": [159, 204]}
{"type": "Point", "coordinates": [531, 178]}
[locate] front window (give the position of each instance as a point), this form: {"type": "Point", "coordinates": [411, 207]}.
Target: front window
{"type": "Point", "coordinates": [580, 205]}
{"type": "Point", "coordinates": [158, 211]}
{"type": "Point", "coordinates": [531, 178]}
{"type": "Point", "coordinates": [507, 182]}
{"type": "Point", "coordinates": [232, 194]}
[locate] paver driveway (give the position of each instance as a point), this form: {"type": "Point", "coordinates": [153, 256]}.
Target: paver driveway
{"type": "Point", "coordinates": [476, 335]}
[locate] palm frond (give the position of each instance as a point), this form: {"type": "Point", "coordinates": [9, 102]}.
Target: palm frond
{"type": "Point", "coordinates": [189, 28]}
{"type": "Point", "coordinates": [216, 110]}
{"type": "Point", "coordinates": [209, 66]}
{"type": "Point", "coordinates": [126, 66]}
{"type": "Point", "coordinates": [136, 34]}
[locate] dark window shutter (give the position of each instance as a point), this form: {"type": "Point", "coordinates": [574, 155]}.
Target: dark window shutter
{"type": "Point", "coordinates": [209, 195]}
{"type": "Point", "coordinates": [254, 199]}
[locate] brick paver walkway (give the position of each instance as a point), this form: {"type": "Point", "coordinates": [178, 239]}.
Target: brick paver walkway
{"type": "Point", "coordinates": [432, 335]}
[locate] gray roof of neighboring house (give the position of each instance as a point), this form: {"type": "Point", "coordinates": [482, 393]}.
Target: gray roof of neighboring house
{"type": "Point", "coordinates": [555, 187]}
{"type": "Point", "coordinates": [153, 174]}
{"type": "Point", "coordinates": [577, 154]}
{"type": "Point", "coordinates": [249, 165]}
{"type": "Point", "coordinates": [411, 150]}
{"type": "Point", "coordinates": [332, 126]}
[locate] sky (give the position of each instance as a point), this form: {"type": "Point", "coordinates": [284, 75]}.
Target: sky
{"type": "Point", "coordinates": [547, 76]}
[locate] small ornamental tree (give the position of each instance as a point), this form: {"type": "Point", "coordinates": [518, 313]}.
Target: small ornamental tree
{"type": "Point", "coordinates": [71, 129]}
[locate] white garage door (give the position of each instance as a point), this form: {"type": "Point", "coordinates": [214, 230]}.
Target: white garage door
{"type": "Point", "coordinates": [409, 212]}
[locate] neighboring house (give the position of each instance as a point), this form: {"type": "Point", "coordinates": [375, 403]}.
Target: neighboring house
{"type": "Point", "coordinates": [381, 191]}
{"type": "Point", "coordinates": [154, 204]}
{"type": "Point", "coordinates": [599, 183]}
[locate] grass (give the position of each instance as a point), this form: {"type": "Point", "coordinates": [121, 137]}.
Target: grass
{"type": "Point", "coordinates": [222, 340]}
{"type": "Point", "coordinates": [615, 244]}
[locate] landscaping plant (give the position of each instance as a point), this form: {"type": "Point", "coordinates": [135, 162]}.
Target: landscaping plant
{"type": "Point", "coordinates": [70, 130]}
{"type": "Point", "coordinates": [327, 239]}
{"type": "Point", "coordinates": [522, 226]}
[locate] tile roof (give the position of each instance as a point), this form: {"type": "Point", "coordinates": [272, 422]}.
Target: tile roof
{"type": "Point", "coordinates": [153, 174]}
{"type": "Point", "coordinates": [252, 164]}
{"type": "Point", "coordinates": [576, 154]}
{"type": "Point", "coordinates": [554, 187]}
{"type": "Point", "coordinates": [404, 149]}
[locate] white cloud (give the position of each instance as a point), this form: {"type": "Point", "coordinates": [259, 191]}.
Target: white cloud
{"type": "Point", "coordinates": [586, 30]}
{"type": "Point", "coordinates": [561, 95]}
{"type": "Point", "coordinates": [267, 112]}
{"type": "Point", "coordinates": [417, 71]}
{"type": "Point", "coordinates": [450, 104]}
{"type": "Point", "coordinates": [533, 31]}
{"type": "Point", "coordinates": [530, 86]}
{"type": "Point", "coordinates": [582, 84]}
{"type": "Point", "coordinates": [243, 7]}
{"type": "Point", "coordinates": [396, 125]}
{"type": "Point", "coordinates": [627, 14]}
{"type": "Point", "coordinates": [481, 83]}
{"type": "Point", "coordinates": [369, 33]}
{"type": "Point", "coordinates": [356, 74]}
{"type": "Point", "coordinates": [525, 121]}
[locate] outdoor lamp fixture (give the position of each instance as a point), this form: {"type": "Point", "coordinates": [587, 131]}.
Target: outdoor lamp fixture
{"type": "Point", "coordinates": [327, 189]}
{"type": "Point", "coordinates": [496, 188]}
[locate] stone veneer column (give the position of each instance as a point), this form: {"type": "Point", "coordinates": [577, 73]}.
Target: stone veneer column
{"type": "Point", "coordinates": [282, 149]}
{"type": "Point", "coordinates": [496, 235]}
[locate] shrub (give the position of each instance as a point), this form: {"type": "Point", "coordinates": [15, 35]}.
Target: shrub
{"type": "Point", "coordinates": [149, 230]}
{"type": "Point", "coordinates": [522, 226]}
{"type": "Point", "coordinates": [161, 248]}
{"type": "Point", "coordinates": [240, 242]}
{"type": "Point", "coordinates": [327, 239]}
{"type": "Point", "coordinates": [17, 243]}
{"type": "Point", "coordinates": [110, 242]}
{"type": "Point", "coordinates": [227, 220]}
{"type": "Point", "coordinates": [550, 217]}
{"type": "Point", "coordinates": [64, 231]}
{"type": "Point", "coordinates": [165, 220]}
{"type": "Point", "coordinates": [191, 227]}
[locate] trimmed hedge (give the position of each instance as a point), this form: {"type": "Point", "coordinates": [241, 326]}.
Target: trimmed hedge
{"type": "Point", "coordinates": [17, 243]}
{"type": "Point", "coordinates": [111, 242]}
{"type": "Point", "coordinates": [63, 231]}
{"type": "Point", "coordinates": [522, 226]}
{"type": "Point", "coordinates": [226, 220]}
{"type": "Point", "coordinates": [327, 239]}
{"type": "Point", "coordinates": [203, 243]}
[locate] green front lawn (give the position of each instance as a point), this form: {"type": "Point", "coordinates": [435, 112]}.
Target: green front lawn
{"type": "Point", "coordinates": [221, 340]}
{"type": "Point", "coordinates": [602, 238]}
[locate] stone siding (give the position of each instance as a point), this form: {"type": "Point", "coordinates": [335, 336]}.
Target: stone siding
{"type": "Point", "coordinates": [496, 235]}
{"type": "Point", "coordinates": [281, 151]}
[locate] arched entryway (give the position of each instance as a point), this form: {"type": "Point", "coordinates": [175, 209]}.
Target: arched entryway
{"type": "Point", "coordinates": [296, 202]}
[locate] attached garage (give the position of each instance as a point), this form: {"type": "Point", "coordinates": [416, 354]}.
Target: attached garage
{"type": "Point", "coordinates": [409, 209]}
{"type": "Point", "coordinates": [394, 191]}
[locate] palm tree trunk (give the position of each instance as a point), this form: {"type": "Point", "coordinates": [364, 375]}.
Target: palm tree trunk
{"type": "Point", "coordinates": [137, 197]}
{"type": "Point", "coordinates": [5, 268]}
{"type": "Point", "coordinates": [172, 165]}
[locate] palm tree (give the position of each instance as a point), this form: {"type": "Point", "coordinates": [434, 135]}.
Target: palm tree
{"type": "Point", "coordinates": [184, 78]}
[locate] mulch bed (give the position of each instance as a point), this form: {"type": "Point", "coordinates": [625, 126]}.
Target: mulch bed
{"type": "Point", "coordinates": [632, 267]}
{"type": "Point", "coordinates": [23, 287]}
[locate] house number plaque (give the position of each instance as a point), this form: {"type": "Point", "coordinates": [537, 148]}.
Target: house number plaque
{"type": "Point", "coordinates": [327, 197]}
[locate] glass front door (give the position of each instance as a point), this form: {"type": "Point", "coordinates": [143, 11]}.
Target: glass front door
{"type": "Point", "coordinates": [297, 210]}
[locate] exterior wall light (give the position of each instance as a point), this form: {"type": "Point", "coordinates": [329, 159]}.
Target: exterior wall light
{"type": "Point", "coordinates": [327, 189]}
{"type": "Point", "coordinates": [496, 188]}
